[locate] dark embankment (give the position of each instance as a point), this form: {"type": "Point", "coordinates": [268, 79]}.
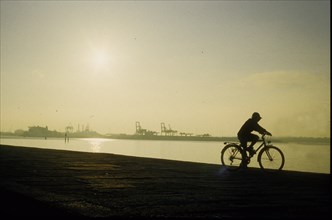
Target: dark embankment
{"type": "Point", "coordinates": [54, 183]}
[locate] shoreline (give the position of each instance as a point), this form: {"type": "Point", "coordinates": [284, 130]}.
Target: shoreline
{"type": "Point", "coordinates": [299, 140]}
{"type": "Point", "coordinates": [68, 183]}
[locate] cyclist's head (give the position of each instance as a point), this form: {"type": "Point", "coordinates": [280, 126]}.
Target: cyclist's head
{"type": "Point", "coordinates": [256, 116]}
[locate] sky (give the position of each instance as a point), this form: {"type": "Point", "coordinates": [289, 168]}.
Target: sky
{"type": "Point", "coordinates": [198, 66]}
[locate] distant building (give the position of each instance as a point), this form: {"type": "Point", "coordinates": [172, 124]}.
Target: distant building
{"type": "Point", "coordinates": [37, 131]}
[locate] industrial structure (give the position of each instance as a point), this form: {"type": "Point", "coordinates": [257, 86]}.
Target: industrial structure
{"type": "Point", "coordinates": [141, 131]}
{"type": "Point", "coordinates": [163, 132]}
{"type": "Point", "coordinates": [69, 128]}
{"type": "Point", "coordinates": [185, 134]}
{"type": "Point", "coordinates": [167, 132]}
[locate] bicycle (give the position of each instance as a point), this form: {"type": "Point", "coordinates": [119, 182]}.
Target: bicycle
{"type": "Point", "coordinates": [270, 157]}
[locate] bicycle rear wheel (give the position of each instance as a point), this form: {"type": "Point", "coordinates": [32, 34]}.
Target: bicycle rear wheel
{"type": "Point", "coordinates": [271, 158]}
{"type": "Point", "coordinates": [231, 156]}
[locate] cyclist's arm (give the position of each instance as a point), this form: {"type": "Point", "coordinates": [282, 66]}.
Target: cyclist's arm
{"type": "Point", "coordinates": [261, 130]}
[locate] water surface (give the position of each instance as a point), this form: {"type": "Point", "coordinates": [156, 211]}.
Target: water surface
{"type": "Point", "coordinates": [299, 157]}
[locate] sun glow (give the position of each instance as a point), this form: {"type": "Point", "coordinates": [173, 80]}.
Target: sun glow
{"type": "Point", "coordinates": [100, 60]}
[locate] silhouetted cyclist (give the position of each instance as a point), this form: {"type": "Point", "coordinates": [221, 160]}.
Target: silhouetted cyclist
{"type": "Point", "coordinates": [245, 134]}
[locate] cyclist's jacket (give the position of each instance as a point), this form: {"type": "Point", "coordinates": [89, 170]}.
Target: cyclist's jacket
{"type": "Point", "coordinates": [249, 126]}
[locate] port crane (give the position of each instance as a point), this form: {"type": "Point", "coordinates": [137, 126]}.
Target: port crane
{"type": "Point", "coordinates": [141, 131]}
{"type": "Point", "coordinates": [167, 132]}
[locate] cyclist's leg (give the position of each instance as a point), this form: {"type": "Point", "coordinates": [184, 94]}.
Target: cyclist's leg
{"type": "Point", "coordinates": [243, 142]}
{"type": "Point", "coordinates": [253, 138]}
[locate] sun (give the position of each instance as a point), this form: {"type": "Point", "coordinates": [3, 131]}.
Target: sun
{"type": "Point", "coordinates": [100, 60]}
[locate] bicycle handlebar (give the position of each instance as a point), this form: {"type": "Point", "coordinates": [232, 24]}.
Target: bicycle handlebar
{"type": "Point", "coordinates": [264, 134]}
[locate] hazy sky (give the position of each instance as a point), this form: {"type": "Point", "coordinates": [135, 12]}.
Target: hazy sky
{"type": "Point", "coordinates": [200, 66]}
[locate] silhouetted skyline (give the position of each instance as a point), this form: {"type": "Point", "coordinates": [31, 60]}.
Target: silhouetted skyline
{"type": "Point", "coordinates": [201, 66]}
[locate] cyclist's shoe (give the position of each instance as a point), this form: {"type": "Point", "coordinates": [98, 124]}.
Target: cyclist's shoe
{"type": "Point", "coordinates": [244, 163]}
{"type": "Point", "coordinates": [251, 151]}
{"type": "Point", "coordinates": [243, 166]}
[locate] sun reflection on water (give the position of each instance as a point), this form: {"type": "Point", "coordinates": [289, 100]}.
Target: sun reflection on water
{"type": "Point", "coordinates": [96, 144]}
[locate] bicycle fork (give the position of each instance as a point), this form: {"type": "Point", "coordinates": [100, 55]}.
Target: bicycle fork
{"type": "Point", "coordinates": [269, 155]}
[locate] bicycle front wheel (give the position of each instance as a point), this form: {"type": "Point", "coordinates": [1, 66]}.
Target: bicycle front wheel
{"type": "Point", "coordinates": [271, 158]}
{"type": "Point", "coordinates": [231, 156]}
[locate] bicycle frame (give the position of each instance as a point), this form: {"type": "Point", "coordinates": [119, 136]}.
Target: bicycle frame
{"type": "Point", "coordinates": [262, 145]}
